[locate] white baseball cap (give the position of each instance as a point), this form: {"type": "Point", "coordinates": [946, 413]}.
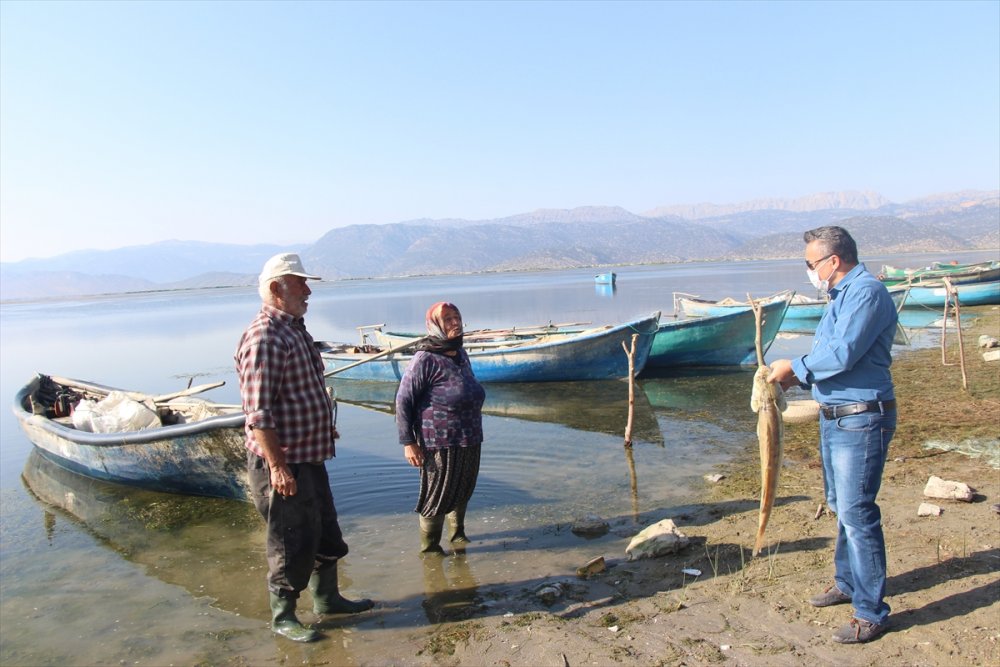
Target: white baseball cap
{"type": "Point", "coordinates": [285, 264]}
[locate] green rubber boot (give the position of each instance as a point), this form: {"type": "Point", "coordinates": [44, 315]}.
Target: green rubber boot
{"type": "Point", "coordinates": [430, 534]}
{"type": "Point", "coordinates": [326, 595]}
{"type": "Point", "coordinates": [284, 622]}
{"type": "Point", "coordinates": [456, 522]}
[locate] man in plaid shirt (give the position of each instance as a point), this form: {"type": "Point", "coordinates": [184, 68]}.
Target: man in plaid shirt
{"type": "Point", "coordinates": [289, 436]}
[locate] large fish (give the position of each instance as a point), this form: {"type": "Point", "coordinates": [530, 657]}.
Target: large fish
{"type": "Point", "coordinates": [768, 401]}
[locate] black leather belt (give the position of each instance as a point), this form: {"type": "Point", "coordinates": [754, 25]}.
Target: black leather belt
{"type": "Point", "coordinates": [835, 411]}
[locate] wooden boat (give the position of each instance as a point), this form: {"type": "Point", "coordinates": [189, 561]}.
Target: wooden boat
{"type": "Point", "coordinates": [592, 354]}
{"type": "Point", "coordinates": [803, 312]}
{"type": "Point", "coordinates": [197, 448]}
{"type": "Point", "coordinates": [606, 278]}
{"type": "Point", "coordinates": [475, 339]}
{"type": "Point", "coordinates": [802, 315]}
{"type": "Point", "coordinates": [695, 306]}
{"type": "Point", "coordinates": [957, 273]}
{"type": "Point", "coordinates": [932, 294]}
{"type": "Point", "coordinates": [583, 406]}
{"type": "Point", "coordinates": [722, 340]}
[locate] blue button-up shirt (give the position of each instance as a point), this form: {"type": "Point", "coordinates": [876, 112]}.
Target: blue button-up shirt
{"type": "Point", "coordinates": [850, 356]}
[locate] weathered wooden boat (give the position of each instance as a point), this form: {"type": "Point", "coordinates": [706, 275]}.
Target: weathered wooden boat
{"type": "Point", "coordinates": [695, 306]}
{"type": "Point", "coordinates": [475, 339]}
{"type": "Point", "coordinates": [803, 312]}
{"type": "Point", "coordinates": [196, 448]}
{"type": "Point", "coordinates": [956, 273]}
{"type": "Point", "coordinates": [931, 294]}
{"type": "Point", "coordinates": [591, 354]}
{"type": "Point", "coordinates": [722, 340]}
{"type": "Point", "coordinates": [583, 406]}
{"type": "Point", "coordinates": [607, 278]}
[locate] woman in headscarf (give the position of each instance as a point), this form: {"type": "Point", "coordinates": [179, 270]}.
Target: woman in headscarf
{"type": "Point", "coordinates": [440, 423]}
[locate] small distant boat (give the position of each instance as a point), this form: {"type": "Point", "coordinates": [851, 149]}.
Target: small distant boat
{"type": "Point", "coordinates": [564, 356]}
{"type": "Point", "coordinates": [931, 294]}
{"type": "Point", "coordinates": [193, 447]}
{"type": "Point", "coordinates": [721, 340]}
{"type": "Point", "coordinates": [606, 278]}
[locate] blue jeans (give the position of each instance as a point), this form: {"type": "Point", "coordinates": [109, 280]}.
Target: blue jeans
{"type": "Point", "coordinates": [854, 451]}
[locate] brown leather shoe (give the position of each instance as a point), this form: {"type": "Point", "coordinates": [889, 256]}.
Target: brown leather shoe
{"type": "Point", "coordinates": [858, 632]}
{"type": "Point", "coordinates": [829, 597]}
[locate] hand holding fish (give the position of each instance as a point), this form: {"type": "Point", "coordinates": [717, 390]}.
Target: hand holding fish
{"type": "Point", "coordinates": [782, 373]}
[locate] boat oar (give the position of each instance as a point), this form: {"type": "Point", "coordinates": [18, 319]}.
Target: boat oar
{"type": "Point", "coordinates": [385, 353]}
{"type": "Point", "coordinates": [135, 395]}
{"type": "Point", "coordinates": [541, 328]}
{"type": "Point", "coordinates": [188, 392]}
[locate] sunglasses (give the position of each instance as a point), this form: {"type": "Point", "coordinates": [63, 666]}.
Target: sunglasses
{"type": "Point", "coordinates": [812, 266]}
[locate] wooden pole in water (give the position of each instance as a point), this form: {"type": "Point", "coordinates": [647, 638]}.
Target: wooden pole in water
{"type": "Point", "coordinates": [630, 459]}
{"type": "Point", "coordinates": [631, 389]}
{"type": "Point", "coordinates": [958, 328]}
{"type": "Point", "coordinates": [758, 334]}
{"type": "Point", "coordinates": [944, 326]}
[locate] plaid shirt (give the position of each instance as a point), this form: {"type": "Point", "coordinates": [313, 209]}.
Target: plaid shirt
{"type": "Point", "coordinates": [282, 387]}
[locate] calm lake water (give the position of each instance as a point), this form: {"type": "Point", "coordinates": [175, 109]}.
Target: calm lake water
{"type": "Point", "coordinates": [133, 577]}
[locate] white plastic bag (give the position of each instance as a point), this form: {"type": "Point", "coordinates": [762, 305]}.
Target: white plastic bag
{"type": "Point", "coordinates": [116, 413]}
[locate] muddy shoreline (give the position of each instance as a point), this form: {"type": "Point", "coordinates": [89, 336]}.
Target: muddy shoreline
{"type": "Point", "coordinates": [944, 571]}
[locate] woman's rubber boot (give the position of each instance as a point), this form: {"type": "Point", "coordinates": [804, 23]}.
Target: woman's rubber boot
{"type": "Point", "coordinates": [284, 623]}
{"type": "Point", "coordinates": [456, 524]}
{"type": "Point", "coordinates": [430, 534]}
{"type": "Point", "coordinates": [326, 595]}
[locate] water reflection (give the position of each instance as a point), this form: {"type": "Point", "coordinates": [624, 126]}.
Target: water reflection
{"type": "Point", "coordinates": [451, 592]}
{"type": "Point", "coordinates": [607, 291]}
{"type": "Point", "coordinates": [208, 546]}
{"type": "Point", "coordinates": [714, 394]}
{"type": "Point", "coordinates": [594, 406]}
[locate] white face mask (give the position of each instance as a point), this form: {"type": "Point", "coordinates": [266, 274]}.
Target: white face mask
{"type": "Point", "coordinates": [821, 285]}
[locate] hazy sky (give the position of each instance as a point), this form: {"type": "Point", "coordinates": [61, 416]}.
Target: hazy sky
{"type": "Point", "coordinates": [124, 123]}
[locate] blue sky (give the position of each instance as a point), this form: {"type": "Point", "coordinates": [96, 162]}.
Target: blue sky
{"type": "Point", "coordinates": [125, 123]}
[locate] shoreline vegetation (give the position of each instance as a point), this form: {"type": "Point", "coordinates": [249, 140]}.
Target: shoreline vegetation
{"type": "Point", "coordinates": [944, 571]}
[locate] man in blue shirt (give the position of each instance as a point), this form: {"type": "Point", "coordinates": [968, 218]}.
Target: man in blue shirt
{"type": "Point", "coordinates": [848, 372]}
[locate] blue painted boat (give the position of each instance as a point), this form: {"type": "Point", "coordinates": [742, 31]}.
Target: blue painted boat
{"type": "Point", "coordinates": [202, 454]}
{"type": "Point", "coordinates": [695, 306]}
{"type": "Point", "coordinates": [608, 278]}
{"type": "Point", "coordinates": [722, 340]}
{"type": "Point", "coordinates": [592, 354]}
{"type": "Point", "coordinates": [932, 294]}
{"type": "Point", "coordinates": [803, 313]}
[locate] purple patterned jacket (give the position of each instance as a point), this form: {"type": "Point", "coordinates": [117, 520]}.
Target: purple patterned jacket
{"type": "Point", "coordinates": [439, 402]}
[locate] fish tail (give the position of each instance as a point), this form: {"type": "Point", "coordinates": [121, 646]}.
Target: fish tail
{"type": "Point", "coordinates": [758, 544]}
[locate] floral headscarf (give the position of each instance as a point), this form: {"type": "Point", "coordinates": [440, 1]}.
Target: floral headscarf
{"type": "Point", "coordinates": [436, 339]}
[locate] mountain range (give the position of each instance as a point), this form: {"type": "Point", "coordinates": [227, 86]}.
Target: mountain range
{"type": "Point", "coordinates": [592, 236]}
